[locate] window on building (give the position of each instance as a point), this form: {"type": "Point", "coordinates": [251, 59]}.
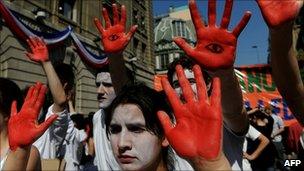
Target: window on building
{"type": "Point", "coordinates": [65, 7]}
{"type": "Point", "coordinates": [143, 50]}
{"type": "Point", "coordinates": [164, 61]}
{"type": "Point", "coordinates": [135, 16]}
{"type": "Point", "coordinates": [183, 29]}
{"type": "Point", "coordinates": [143, 23]}
{"type": "Point", "coordinates": [135, 47]}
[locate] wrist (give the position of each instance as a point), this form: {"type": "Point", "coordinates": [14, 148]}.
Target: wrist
{"type": "Point", "coordinates": [45, 63]}
{"type": "Point", "coordinates": [284, 28]}
{"type": "Point", "coordinates": [220, 163]}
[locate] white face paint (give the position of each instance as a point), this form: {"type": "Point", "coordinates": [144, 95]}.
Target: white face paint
{"type": "Point", "coordinates": [134, 147]}
{"type": "Point", "coordinates": [105, 89]}
{"type": "Point", "coordinates": [190, 75]}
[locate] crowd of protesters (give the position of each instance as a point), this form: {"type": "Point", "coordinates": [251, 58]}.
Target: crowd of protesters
{"type": "Point", "coordinates": [198, 121]}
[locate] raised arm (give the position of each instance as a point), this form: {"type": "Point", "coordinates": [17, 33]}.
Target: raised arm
{"type": "Point", "coordinates": [115, 40]}
{"type": "Point", "coordinates": [40, 54]}
{"type": "Point", "coordinates": [279, 16]}
{"type": "Point", "coordinates": [26, 119]}
{"type": "Point", "coordinates": [215, 51]}
{"type": "Point", "coordinates": [197, 134]}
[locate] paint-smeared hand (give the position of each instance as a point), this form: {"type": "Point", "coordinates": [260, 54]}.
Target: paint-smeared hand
{"type": "Point", "coordinates": [39, 50]}
{"type": "Point", "coordinates": [215, 46]}
{"type": "Point", "coordinates": [198, 128]}
{"type": "Point", "coordinates": [23, 128]}
{"type": "Point", "coordinates": [278, 12]}
{"type": "Point", "coordinates": [113, 37]}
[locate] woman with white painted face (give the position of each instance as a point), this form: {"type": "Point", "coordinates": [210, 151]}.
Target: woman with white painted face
{"type": "Point", "coordinates": [135, 133]}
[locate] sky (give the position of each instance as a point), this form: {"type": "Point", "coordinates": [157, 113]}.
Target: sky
{"type": "Point", "coordinates": [254, 34]}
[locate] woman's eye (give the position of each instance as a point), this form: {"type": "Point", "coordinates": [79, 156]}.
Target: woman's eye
{"type": "Point", "coordinates": [136, 129]}
{"type": "Point", "coordinates": [115, 129]}
{"type": "Point", "coordinates": [215, 48]}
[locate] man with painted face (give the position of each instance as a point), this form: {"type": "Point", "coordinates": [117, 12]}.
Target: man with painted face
{"type": "Point", "coordinates": [105, 96]}
{"type": "Point", "coordinates": [215, 52]}
{"type": "Point", "coordinates": [109, 80]}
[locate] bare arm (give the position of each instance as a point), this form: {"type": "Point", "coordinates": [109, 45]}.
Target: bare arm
{"type": "Point", "coordinates": [114, 41]}
{"type": "Point", "coordinates": [285, 67]}
{"type": "Point", "coordinates": [34, 162]}
{"type": "Point", "coordinates": [40, 54]}
{"type": "Point", "coordinates": [118, 71]}
{"type": "Point", "coordinates": [263, 143]}
{"type": "Point", "coordinates": [219, 164]}
{"type": "Point", "coordinates": [234, 113]}
{"type": "Point", "coordinates": [193, 117]}
{"type": "Point", "coordinates": [17, 160]}
{"type": "Point", "coordinates": [26, 119]}
{"type": "Point", "coordinates": [55, 86]}
{"type": "Point", "coordinates": [285, 70]}
{"type": "Point", "coordinates": [215, 51]}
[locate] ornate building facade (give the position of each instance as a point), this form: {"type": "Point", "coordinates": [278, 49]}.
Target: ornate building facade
{"type": "Point", "coordinates": [177, 22]}
{"type": "Point", "coordinates": [55, 15]}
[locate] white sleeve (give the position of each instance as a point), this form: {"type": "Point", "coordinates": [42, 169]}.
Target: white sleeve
{"type": "Point", "coordinates": [81, 135]}
{"type": "Point", "coordinates": [253, 134]}
{"type": "Point", "coordinates": [49, 143]}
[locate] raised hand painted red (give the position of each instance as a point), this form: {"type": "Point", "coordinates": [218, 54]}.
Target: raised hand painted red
{"type": "Point", "coordinates": [113, 37]}
{"type": "Point", "coordinates": [277, 12]}
{"type": "Point", "coordinates": [23, 128]}
{"type": "Point", "coordinates": [215, 46]}
{"type": "Point", "coordinates": [198, 128]}
{"type": "Point", "coordinates": [39, 50]}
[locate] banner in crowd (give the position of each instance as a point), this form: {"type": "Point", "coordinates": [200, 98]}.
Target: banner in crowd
{"type": "Point", "coordinates": [258, 89]}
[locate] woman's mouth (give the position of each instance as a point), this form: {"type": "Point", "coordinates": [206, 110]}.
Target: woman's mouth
{"type": "Point", "coordinates": [126, 159]}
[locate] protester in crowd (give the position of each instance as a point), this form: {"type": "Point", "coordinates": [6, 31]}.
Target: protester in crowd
{"type": "Point", "coordinates": [114, 41]}
{"type": "Point", "coordinates": [74, 142]}
{"type": "Point", "coordinates": [280, 16]}
{"type": "Point", "coordinates": [264, 124]}
{"type": "Point", "coordinates": [138, 140]}
{"type": "Point", "coordinates": [195, 114]}
{"type": "Point", "coordinates": [9, 92]}
{"type": "Point", "coordinates": [236, 116]}
{"type": "Point", "coordinates": [253, 135]}
{"type": "Point", "coordinates": [276, 136]}
{"type": "Point", "coordinates": [87, 160]}
{"type": "Point", "coordinates": [293, 135]}
{"type": "Point", "coordinates": [217, 56]}
{"type": "Point", "coordinates": [135, 133]}
{"type": "Point", "coordinates": [117, 72]}
{"type": "Point", "coordinates": [60, 81]}
{"type": "Point", "coordinates": [21, 155]}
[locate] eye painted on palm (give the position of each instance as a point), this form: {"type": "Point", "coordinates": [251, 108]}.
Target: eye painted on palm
{"type": "Point", "coordinates": [113, 37]}
{"type": "Point", "coordinates": [215, 48]}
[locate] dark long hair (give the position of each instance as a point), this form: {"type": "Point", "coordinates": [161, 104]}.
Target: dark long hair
{"type": "Point", "coordinates": [149, 101]}
{"type": "Point", "coordinates": [9, 91]}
